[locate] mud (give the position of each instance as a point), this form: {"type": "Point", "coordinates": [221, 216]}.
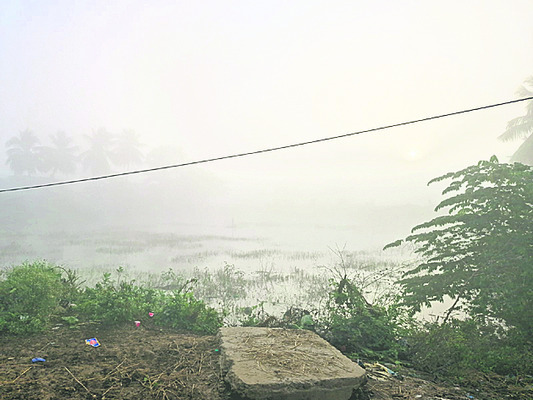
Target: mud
{"type": "Point", "coordinates": [143, 363]}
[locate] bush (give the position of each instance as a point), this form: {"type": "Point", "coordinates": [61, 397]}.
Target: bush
{"type": "Point", "coordinates": [29, 296]}
{"type": "Point", "coordinates": [114, 302]}
{"type": "Point", "coordinates": [358, 328]}
{"type": "Point", "coordinates": [480, 253]}
{"type": "Point", "coordinates": [117, 302]}
{"type": "Point", "coordinates": [183, 311]}
{"type": "Point", "coordinates": [458, 347]}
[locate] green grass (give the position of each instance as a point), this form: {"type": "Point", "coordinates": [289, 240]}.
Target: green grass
{"type": "Point", "coordinates": [333, 301]}
{"type": "Point", "coordinates": [33, 295]}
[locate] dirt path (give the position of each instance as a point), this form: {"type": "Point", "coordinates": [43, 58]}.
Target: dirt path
{"type": "Point", "coordinates": [141, 363]}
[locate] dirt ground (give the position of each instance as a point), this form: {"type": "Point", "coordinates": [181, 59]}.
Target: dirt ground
{"type": "Point", "coordinates": [142, 363]}
{"type": "Point", "coordinates": [130, 363]}
{"type": "Point", "coordinates": [415, 385]}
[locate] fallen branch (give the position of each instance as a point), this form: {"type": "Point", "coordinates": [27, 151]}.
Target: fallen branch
{"type": "Point", "coordinates": [82, 385]}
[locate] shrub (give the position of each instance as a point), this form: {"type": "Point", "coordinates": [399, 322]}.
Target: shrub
{"type": "Point", "coordinates": [32, 294]}
{"type": "Point", "coordinates": [29, 296]}
{"type": "Point", "coordinates": [114, 302]}
{"type": "Point", "coordinates": [117, 302]}
{"type": "Point", "coordinates": [358, 328]}
{"type": "Point", "coordinates": [458, 347]}
{"type": "Point", "coordinates": [183, 311]}
{"type": "Point", "coordinates": [480, 253]}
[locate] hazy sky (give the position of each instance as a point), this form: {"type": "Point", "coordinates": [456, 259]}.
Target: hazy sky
{"type": "Point", "coordinates": [219, 77]}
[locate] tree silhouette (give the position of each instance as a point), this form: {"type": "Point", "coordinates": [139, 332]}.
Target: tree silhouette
{"type": "Point", "coordinates": [97, 159]}
{"type": "Point", "coordinates": [23, 153]}
{"type": "Point", "coordinates": [61, 156]}
{"type": "Point", "coordinates": [521, 128]}
{"type": "Point", "coordinates": [127, 149]}
{"type": "Point", "coordinates": [479, 252]}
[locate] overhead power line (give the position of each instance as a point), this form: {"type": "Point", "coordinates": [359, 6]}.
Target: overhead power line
{"type": "Point", "coordinates": [271, 149]}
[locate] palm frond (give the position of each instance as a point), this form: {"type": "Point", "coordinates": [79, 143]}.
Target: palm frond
{"type": "Point", "coordinates": [524, 92]}
{"type": "Point", "coordinates": [517, 128]}
{"type": "Point", "coordinates": [524, 154]}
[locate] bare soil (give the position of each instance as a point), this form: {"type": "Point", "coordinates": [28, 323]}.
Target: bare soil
{"type": "Point", "coordinates": [143, 363]}
{"type": "Point", "coordinates": [130, 363]}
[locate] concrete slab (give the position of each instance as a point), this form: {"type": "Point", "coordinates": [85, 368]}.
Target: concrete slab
{"type": "Point", "coordinates": [279, 364]}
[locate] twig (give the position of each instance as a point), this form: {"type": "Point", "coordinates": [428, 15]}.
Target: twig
{"type": "Point", "coordinates": [201, 361]}
{"type": "Point", "coordinates": [114, 369]}
{"type": "Point", "coordinates": [451, 309]}
{"type": "Point", "coordinates": [21, 374]}
{"type": "Point", "coordinates": [82, 385]}
{"type": "Point", "coordinates": [177, 365]}
{"type": "Point", "coordinates": [108, 389]}
{"type": "Point", "coordinates": [45, 346]}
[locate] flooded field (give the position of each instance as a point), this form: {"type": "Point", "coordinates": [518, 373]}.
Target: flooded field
{"type": "Point", "coordinates": [231, 268]}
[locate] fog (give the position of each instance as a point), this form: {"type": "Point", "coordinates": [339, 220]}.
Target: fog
{"type": "Point", "coordinates": [196, 80]}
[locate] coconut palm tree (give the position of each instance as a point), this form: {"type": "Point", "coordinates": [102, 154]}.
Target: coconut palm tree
{"type": "Point", "coordinates": [127, 149]}
{"type": "Point", "coordinates": [23, 153]}
{"type": "Point", "coordinates": [61, 156]}
{"type": "Point", "coordinates": [522, 128]}
{"type": "Point", "coordinates": [97, 159]}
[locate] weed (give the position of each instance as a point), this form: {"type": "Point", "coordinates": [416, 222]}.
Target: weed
{"type": "Point", "coordinates": [115, 301]}
{"type": "Point", "coordinates": [226, 285]}
{"type": "Point", "coordinates": [357, 327]}
{"type": "Point", "coordinates": [457, 347]}
{"type": "Point", "coordinates": [120, 300]}
{"type": "Point", "coordinates": [71, 320]}
{"type": "Point", "coordinates": [183, 311]}
{"type": "Point", "coordinates": [29, 296]}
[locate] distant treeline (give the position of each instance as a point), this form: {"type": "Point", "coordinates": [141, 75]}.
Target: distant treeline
{"type": "Point", "coordinates": [100, 153]}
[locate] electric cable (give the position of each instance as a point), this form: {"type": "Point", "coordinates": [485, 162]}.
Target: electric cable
{"type": "Point", "coordinates": [267, 150]}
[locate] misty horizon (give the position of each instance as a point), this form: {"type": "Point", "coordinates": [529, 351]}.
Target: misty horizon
{"type": "Point", "coordinates": [186, 82]}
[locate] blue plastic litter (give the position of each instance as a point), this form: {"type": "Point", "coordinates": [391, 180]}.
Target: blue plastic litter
{"type": "Point", "coordinates": [37, 359]}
